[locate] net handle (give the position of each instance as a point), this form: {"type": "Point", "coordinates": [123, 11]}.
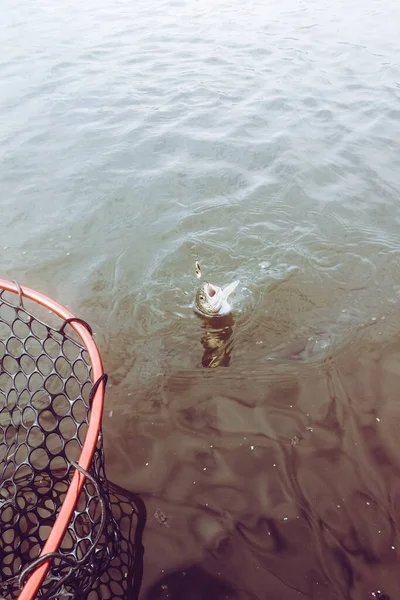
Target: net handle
{"type": "Point", "coordinates": [57, 532]}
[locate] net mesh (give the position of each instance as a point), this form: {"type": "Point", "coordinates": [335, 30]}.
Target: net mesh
{"type": "Point", "coordinates": [45, 395]}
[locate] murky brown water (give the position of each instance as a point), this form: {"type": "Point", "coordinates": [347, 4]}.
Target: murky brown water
{"type": "Point", "coordinates": [261, 139]}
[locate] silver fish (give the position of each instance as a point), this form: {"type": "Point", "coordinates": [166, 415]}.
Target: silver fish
{"type": "Point", "coordinates": [212, 300]}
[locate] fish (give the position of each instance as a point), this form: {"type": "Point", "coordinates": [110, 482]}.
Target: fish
{"type": "Point", "coordinates": [217, 342]}
{"type": "Point", "coordinates": [212, 301]}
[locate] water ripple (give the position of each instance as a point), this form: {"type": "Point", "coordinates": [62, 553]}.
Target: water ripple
{"type": "Point", "coordinates": [263, 141]}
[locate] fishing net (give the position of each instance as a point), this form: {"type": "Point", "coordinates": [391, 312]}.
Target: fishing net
{"type": "Point", "coordinates": [48, 402]}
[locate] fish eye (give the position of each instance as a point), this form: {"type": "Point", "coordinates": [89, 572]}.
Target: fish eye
{"type": "Point", "coordinates": [202, 297]}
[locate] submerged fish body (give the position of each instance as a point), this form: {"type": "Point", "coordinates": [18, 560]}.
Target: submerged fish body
{"type": "Point", "coordinates": [212, 301]}
{"type": "Point", "coordinates": [217, 341]}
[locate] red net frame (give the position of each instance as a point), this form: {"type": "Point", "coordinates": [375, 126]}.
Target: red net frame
{"type": "Point", "coordinates": [35, 579]}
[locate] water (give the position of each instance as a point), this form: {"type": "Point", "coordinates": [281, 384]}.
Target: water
{"type": "Point", "coordinates": [262, 139]}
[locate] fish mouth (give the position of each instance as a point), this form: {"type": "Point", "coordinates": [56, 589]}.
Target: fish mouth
{"type": "Point", "coordinates": [211, 291]}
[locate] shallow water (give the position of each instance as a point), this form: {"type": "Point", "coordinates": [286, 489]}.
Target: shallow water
{"type": "Point", "coordinates": [262, 139]}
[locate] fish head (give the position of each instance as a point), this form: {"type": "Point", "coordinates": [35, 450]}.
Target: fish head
{"type": "Point", "coordinates": [208, 299]}
{"type": "Point", "coordinates": [211, 300]}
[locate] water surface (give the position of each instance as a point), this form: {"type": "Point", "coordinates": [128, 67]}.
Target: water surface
{"type": "Point", "coordinates": [262, 139]}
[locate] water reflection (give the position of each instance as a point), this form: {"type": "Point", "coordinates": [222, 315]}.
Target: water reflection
{"type": "Point", "coordinates": [296, 459]}
{"type": "Point", "coordinates": [217, 341]}
{"type": "Point", "coordinates": [192, 583]}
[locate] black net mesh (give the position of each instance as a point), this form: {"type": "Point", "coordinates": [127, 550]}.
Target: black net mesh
{"type": "Point", "coordinates": [123, 577]}
{"type": "Point", "coordinates": [45, 396]}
